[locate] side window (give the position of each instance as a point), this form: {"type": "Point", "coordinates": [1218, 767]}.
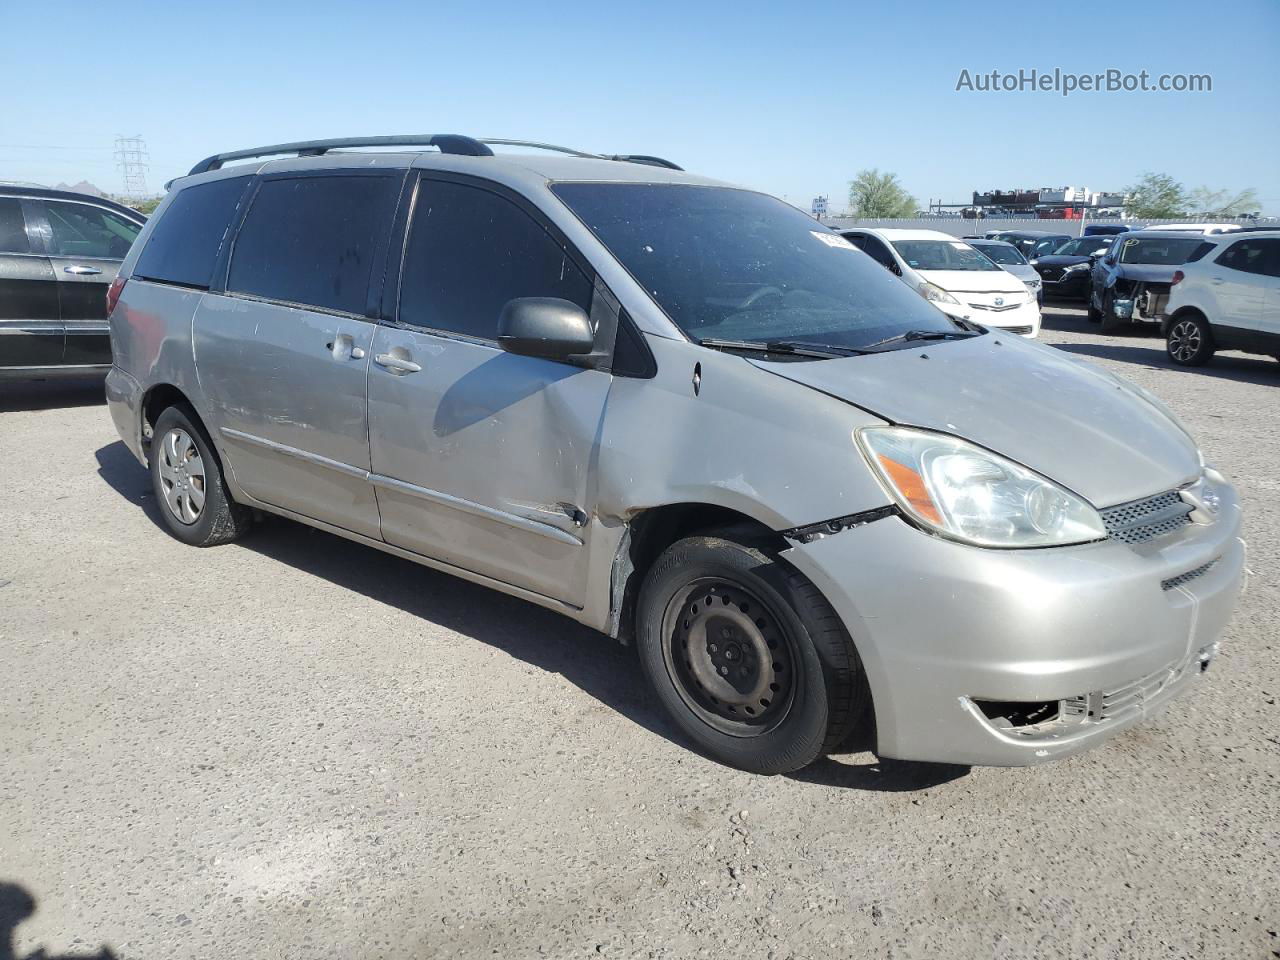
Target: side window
{"type": "Point", "coordinates": [1270, 256]}
{"type": "Point", "coordinates": [1243, 255]}
{"type": "Point", "coordinates": [312, 240]}
{"type": "Point", "coordinates": [469, 252]}
{"type": "Point", "coordinates": [857, 239]}
{"type": "Point", "coordinates": [183, 245]}
{"type": "Point", "coordinates": [880, 253]}
{"type": "Point", "coordinates": [13, 229]}
{"type": "Point", "coordinates": [79, 230]}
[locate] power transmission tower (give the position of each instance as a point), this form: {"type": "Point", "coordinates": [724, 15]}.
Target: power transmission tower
{"type": "Point", "coordinates": [131, 158]}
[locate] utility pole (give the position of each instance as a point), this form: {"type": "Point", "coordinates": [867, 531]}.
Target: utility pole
{"type": "Point", "coordinates": [131, 158]}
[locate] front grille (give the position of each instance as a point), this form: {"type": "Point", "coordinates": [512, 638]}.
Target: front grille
{"type": "Point", "coordinates": [1187, 577]}
{"type": "Point", "coordinates": [1020, 331]}
{"type": "Point", "coordinates": [1106, 704]}
{"type": "Point", "coordinates": [1144, 520]}
{"type": "Point", "coordinates": [994, 309]}
{"type": "Point", "coordinates": [1050, 273]}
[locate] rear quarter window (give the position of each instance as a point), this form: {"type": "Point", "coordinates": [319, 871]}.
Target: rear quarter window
{"type": "Point", "coordinates": [184, 244]}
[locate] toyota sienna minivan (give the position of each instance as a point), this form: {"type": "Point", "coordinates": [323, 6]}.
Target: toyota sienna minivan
{"type": "Point", "coordinates": [689, 416]}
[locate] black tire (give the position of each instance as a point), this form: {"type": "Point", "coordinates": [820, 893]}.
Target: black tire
{"type": "Point", "coordinates": [180, 479]}
{"type": "Point", "coordinates": [785, 709]}
{"type": "Point", "coordinates": [1189, 340]}
{"type": "Point", "coordinates": [1110, 323]}
{"type": "Point", "coordinates": [1095, 315]}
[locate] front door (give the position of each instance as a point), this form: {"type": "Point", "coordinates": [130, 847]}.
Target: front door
{"type": "Point", "coordinates": [283, 353]}
{"type": "Point", "coordinates": [482, 458]}
{"type": "Point", "coordinates": [86, 244]}
{"type": "Point", "coordinates": [30, 328]}
{"type": "Point", "coordinates": [1235, 282]}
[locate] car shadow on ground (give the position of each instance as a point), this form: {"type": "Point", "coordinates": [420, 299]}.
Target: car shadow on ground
{"type": "Point", "coordinates": [1225, 366]}
{"type": "Point", "coordinates": [16, 905]}
{"type": "Point", "coordinates": [51, 394]}
{"type": "Point", "coordinates": [601, 668]}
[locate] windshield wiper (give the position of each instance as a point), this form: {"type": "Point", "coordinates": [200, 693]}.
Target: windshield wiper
{"type": "Point", "coordinates": [795, 348]}
{"type": "Point", "coordinates": [923, 335]}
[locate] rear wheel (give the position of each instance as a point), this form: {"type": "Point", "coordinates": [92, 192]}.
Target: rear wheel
{"type": "Point", "coordinates": [187, 479]}
{"type": "Point", "coordinates": [1189, 341]}
{"type": "Point", "coordinates": [749, 659]}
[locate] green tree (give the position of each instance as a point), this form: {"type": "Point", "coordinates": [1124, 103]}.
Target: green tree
{"type": "Point", "coordinates": [1223, 203]}
{"type": "Point", "coordinates": [1156, 196]}
{"type": "Point", "coordinates": [873, 194]}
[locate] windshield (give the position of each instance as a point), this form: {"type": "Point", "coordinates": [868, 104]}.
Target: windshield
{"type": "Point", "coordinates": [942, 255]}
{"type": "Point", "coordinates": [1001, 252]}
{"type": "Point", "coordinates": [730, 264]}
{"type": "Point", "coordinates": [1168, 251]}
{"type": "Point", "coordinates": [1084, 247]}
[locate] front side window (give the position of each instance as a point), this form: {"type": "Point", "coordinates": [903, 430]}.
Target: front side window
{"type": "Point", "coordinates": [13, 229]}
{"type": "Point", "coordinates": [79, 230]}
{"type": "Point", "coordinates": [312, 240]}
{"type": "Point", "coordinates": [469, 252]}
{"type": "Point", "coordinates": [1162, 251]}
{"type": "Point", "coordinates": [731, 264]}
{"type": "Point", "coordinates": [942, 255]}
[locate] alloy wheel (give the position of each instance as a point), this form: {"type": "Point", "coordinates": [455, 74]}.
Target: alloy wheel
{"type": "Point", "coordinates": [1185, 340]}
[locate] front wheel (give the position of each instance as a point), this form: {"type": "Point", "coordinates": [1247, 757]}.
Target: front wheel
{"type": "Point", "coordinates": [1189, 341]}
{"type": "Point", "coordinates": [1110, 323]}
{"type": "Point", "coordinates": [1095, 315]}
{"type": "Point", "coordinates": [747, 656]}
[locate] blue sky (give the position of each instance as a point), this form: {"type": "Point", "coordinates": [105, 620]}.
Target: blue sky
{"type": "Point", "coordinates": [789, 98]}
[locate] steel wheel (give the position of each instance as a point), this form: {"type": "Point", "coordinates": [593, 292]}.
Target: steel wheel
{"type": "Point", "coordinates": [182, 475]}
{"type": "Point", "coordinates": [730, 658]}
{"type": "Point", "coordinates": [1185, 340]}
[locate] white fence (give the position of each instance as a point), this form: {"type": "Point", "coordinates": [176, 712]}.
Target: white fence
{"type": "Point", "coordinates": [959, 227]}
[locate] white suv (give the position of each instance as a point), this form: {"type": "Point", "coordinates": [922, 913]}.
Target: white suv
{"type": "Point", "coordinates": [953, 276]}
{"type": "Point", "coordinates": [1229, 299]}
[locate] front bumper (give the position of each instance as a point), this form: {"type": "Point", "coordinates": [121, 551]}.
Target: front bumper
{"type": "Point", "coordinates": [1068, 287]}
{"type": "Point", "coordinates": [1023, 320]}
{"type": "Point", "coordinates": [1107, 633]}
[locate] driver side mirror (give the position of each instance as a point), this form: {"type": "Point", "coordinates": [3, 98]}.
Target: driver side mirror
{"type": "Point", "coordinates": [545, 327]}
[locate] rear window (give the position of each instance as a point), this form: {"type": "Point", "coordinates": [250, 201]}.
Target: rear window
{"type": "Point", "coordinates": [184, 243]}
{"type": "Point", "coordinates": [312, 240]}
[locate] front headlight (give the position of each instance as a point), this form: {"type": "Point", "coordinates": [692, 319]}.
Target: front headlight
{"type": "Point", "coordinates": [931, 291]}
{"type": "Point", "coordinates": [1032, 284]}
{"type": "Point", "coordinates": [959, 490]}
{"type": "Point", "coordinates": [1076, 268]}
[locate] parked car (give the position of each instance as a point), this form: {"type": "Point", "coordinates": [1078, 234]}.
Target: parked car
{"type": "Point", "coordinates": [1208, 229]}
{"type": "Point", "coordinates": [1032, 244]}
{"type": "Point", "coordinates": [1131, 283]}
{"type": "Point", "coordinates": [686, 415]}
{"type": "Point", "coordinates": [1105, 229]}
{"type": "Point", "coordinates": [954, 276]}
{"type": "Point", "coordinates": [59, 252]}
{"type": "Point", "coordinates": [1007, 257]}
{"type": "Point", "coordinates": [1228, 299]}
{"type": "Point", "coordinates": [1065, 272]}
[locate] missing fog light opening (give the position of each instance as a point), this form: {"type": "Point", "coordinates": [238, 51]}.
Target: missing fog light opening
{"type": "Point", "coordinates": [1018, 713]}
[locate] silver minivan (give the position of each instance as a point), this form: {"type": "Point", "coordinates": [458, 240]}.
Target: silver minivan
{"type": "Point", "coordinates": [689, 416]}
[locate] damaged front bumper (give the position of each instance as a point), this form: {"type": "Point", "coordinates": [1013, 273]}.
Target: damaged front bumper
{"type": "Point", "coordinates": [1011, 657]}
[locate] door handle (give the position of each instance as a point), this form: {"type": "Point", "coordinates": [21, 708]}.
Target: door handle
{"type": "Point", "coordinates": [80, 270]}
{"type": "Point", "coordinates": [343, 348]}
{"type": "Point", "coordinates": [398, 364]}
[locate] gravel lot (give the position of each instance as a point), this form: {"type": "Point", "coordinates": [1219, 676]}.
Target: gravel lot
{"type": "Point", "coordinates": [299, 747]}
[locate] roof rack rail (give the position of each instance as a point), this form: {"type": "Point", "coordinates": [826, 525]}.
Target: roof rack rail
{"type": "Point", "coordinates": [623, 157]}
{"type": "Point", "coordinates": [445, 142]}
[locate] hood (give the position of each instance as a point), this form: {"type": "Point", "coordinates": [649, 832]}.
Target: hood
{"type": "Point", "coordinates": [1023, 271]}
{"type": "Point", "coordinates": [1037, 405]}
{"type": "Point", "coordinates": [1060, 260]}
{"type": "Point", "coordinates": [1147, 272]}
{"type": "Point", "coordinates": [973, 281]}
